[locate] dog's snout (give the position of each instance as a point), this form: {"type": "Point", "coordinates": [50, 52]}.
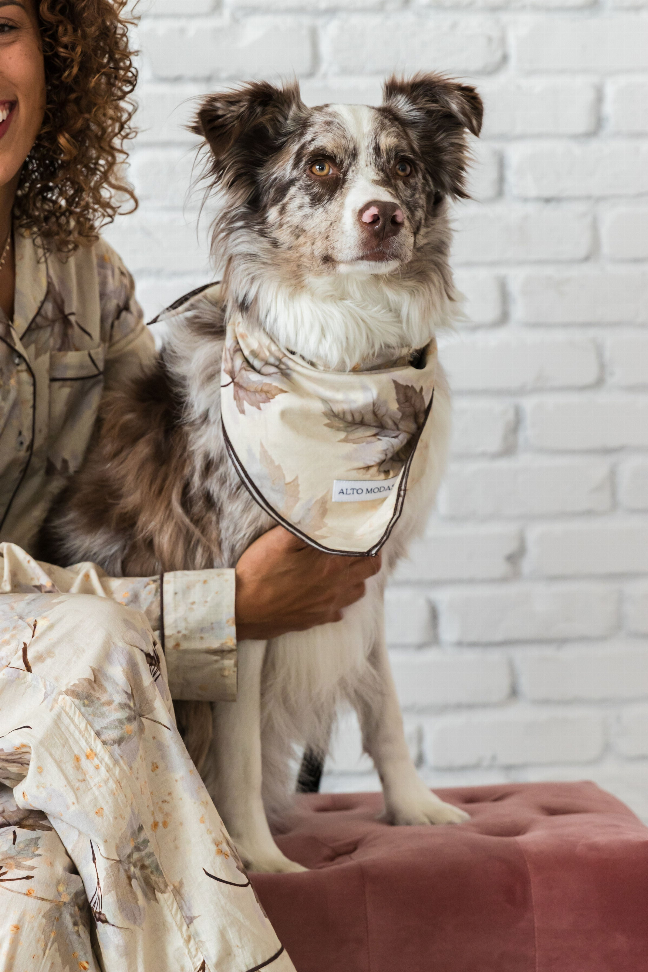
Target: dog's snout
{"type": "Point", "coordinates": [381, 219]}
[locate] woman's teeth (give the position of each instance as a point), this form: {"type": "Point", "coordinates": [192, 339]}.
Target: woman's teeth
{"type": "Point", "coordinates": [5, 112]}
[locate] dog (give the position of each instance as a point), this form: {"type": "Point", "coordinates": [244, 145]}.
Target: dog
{"type": "Point", "coordinates": [334, 237]}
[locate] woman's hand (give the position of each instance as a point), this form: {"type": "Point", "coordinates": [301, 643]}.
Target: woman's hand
{"type": "Point", "coordinates": [282, 584]}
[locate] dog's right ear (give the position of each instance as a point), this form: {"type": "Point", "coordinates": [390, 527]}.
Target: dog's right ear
{"type": "Point", "coordinates": [244, 126]}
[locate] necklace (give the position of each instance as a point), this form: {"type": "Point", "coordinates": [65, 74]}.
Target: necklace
{"type": "Point", "coordinates": [5, 251]}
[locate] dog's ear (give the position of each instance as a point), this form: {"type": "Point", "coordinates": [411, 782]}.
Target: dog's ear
{"type": "Point", "coordinates": [244, 126]}
{"type": "Point", "coordinates": [438, 111]}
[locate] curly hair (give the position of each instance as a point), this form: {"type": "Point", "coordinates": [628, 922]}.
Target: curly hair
{"type": "Point", "coordinates": [72, 181]}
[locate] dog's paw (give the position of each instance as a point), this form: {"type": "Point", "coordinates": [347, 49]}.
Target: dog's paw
{"type": "Point", "coordinates": [270, 863]}
{"type": "Point", "coordinates": [423, 808]}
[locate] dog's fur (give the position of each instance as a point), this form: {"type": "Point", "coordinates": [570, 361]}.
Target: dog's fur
{"type": "Point", "coordinates": [297, 262]}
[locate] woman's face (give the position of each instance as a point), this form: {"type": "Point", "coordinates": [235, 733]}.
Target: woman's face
{"type": "Point", "coordinates": [22, 85]}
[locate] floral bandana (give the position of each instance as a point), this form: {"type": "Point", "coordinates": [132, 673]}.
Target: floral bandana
{"type": "Point", "coordinates": [325, 453]}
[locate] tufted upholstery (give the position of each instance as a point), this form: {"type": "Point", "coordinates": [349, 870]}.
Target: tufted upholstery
{"type": "Point", "coordinates": [547, 877]}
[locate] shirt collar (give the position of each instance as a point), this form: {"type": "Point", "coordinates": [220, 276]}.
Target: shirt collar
{"type": "Point", "coordinates": [31, 280]}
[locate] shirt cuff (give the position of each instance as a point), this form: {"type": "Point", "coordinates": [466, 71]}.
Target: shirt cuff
{"type": "Point", "coordinates": [199, 634]}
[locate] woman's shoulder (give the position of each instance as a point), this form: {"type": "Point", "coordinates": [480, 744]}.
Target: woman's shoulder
{"type": "Point", "coordinates": [93, 264]}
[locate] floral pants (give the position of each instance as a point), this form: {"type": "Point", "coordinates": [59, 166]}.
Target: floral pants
{"type": "Point", "coordinates": [112, 855]}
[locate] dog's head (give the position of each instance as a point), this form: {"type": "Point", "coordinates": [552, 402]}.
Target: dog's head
{"type": "Point", "coordinates": [341, 189]}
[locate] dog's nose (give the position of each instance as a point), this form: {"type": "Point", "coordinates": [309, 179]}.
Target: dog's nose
{"type": "Point", "coordinates": [380, 219]}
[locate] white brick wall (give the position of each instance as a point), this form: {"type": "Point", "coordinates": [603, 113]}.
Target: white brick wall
{"type": "Point", "coordinates": [520, 624]}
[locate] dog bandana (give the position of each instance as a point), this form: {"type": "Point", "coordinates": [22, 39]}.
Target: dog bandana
{"type": "Point", "coordinates": [327, 454]}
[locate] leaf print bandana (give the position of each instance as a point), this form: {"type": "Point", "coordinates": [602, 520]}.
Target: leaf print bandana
{"type": "Point", "coordinates": [328, 454]}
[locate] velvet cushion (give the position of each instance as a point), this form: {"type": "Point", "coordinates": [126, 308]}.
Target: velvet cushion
{"type": "Point", "coordinates": [546, 877]}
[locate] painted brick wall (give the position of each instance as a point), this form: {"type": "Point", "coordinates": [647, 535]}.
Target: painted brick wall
{"type": "Point", "coordinates": [519, 627]}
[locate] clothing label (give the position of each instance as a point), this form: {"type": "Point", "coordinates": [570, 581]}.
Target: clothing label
{"type": "Point", "coordinates": [357, 490]}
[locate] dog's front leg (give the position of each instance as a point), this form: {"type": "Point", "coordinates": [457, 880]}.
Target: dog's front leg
{"type": "Point", "coordinates": [407, 799]}
{"type": "Point", "coordinates": [233, 771]}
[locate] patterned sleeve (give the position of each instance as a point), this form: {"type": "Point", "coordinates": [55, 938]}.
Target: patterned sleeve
{"type": "Point", "coordinates": [191, 613]}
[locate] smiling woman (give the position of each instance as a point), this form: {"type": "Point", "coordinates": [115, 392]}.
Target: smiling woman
{"type": "Point", "coordinates": [66, 77]}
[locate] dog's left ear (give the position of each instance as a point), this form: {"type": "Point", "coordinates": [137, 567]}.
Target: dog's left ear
{"type": "Point", "coordinates": [438, 112]}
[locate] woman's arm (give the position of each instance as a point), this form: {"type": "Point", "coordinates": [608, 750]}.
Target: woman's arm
{"type": "Point", "coordinates": [279, 584]}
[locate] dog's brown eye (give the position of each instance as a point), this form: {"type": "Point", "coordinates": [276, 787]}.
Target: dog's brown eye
{"type": "Point", "coordinates": [403, 168]}
{"type": "Point", "coordinates": [321, 168]}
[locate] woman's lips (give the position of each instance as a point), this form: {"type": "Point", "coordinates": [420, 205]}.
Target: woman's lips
{"type": "Point", "coordinates": [6, 115]}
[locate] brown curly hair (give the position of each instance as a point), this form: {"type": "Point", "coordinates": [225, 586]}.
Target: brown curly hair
{"type": "Point", "coordinates": [71, 183]}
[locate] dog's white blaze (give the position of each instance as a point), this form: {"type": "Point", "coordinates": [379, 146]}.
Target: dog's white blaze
{"type": "Point", "coordinates": [362, 188]}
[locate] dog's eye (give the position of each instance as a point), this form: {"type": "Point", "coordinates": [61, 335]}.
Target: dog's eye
{"type": "Point", "coordinates": [403, 168]}
{"type": "Point", "coordinates": [321, 168]}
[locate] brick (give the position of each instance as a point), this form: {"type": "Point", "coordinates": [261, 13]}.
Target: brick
{"type": "Point", "coordinates": [630, 4]}
{"type": "Point", "coordinates": [165, 109]}
{"type": "Point", "coordinates": [567, 169]}
{"type": "Point", "coordinates": [505, 362]}
{"type": "Point", "coordinates": [409, 618]}
{"type": "Point", "coordinates": [187, 8]}
{"type": "Point", "coordinates": [150, 242]}
{"type": "Point", "coordinates": [590, 548]}
{"type": "Point", "coordinates": [334, 782]}
{"type": "Point", "coordinates": [521, 487]}
{"type": "Point", "coordinates": [633, 484]}
{"type": "Point", "coordinates": [483, 428]}
{"type": "Point", "coordinates": [518, 233]}
{"type": "Point", "coordinates": [538, 106]}
{"type": "Point", "coordinates": [462, 776]}
{"type": "Point", "coordinates": [485, 174]}
{"type": "Point", "coordinates": [484, 298]}
{"type": "Point", "coordinates": [448, 553]}
{"type": "Point", "coordinates": [601, 44]}
{"type": "Point", "coordinates": [628, 105]}
{"type": "Point", "coordinates": [636, 608]}
{"type": "Point", "coordinates": [624, 233]}
{"type": "Point", "coordinates": [627, 357]}
{"type": "Point", "coordinates": [527, 612]}
{"type": "Point", "coordinates": [163, 177]}
{"type": "Point", "coordinates": [584, 674]}
{"type": "Point", "coordinates": [588, 422]}
{"type": "Point", "coordinates": [473, 45]}
{"type": "Point", "coordinates": [441, 678]}
{"type": "Point", "coordinates": [345, 91]}
{"type": "Point", "coordinates": [596, 296]}
{"type": "Point", "coordinates": [631, 738]}
{"type": "Point", "coordinates": [514, 739]}
{"type": "Point", "coordinates": [258, 47]}
{"type": "Point", "coordinates": [504, 4]}
{"type": "Point", "coordinates": [346, 6]}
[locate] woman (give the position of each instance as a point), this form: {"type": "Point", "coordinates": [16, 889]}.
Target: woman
{"type": "Point", "coordinates": [112, 855]}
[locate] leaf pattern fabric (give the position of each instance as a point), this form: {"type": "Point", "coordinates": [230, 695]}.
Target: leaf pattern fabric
{"type": "Point", "coordinates": [76, 326]}
{"type": "Point", "coordinates": [44, 916]}
{"type": "Point", "coordinates": [294, 431]}
{"type": "Point", "coordinates": [77, 330]}
{"type": "Point", "coordinates": [248, 375]}
{"type": "Point", "coordinates": [112, 854]}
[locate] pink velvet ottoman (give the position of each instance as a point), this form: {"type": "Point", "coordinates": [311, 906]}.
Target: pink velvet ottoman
{"type": "Point", "coordinates": [547, 877]}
